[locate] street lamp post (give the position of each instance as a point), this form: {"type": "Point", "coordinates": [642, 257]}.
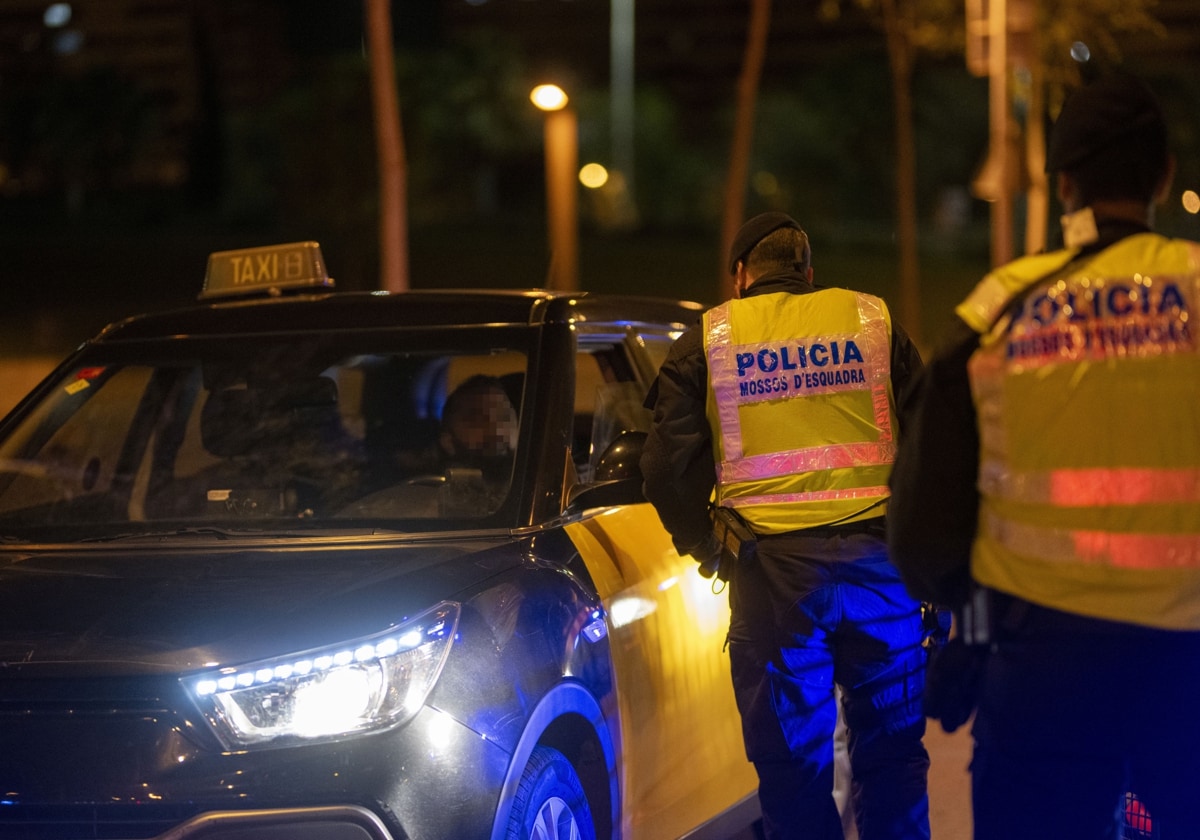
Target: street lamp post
{"type": "Point", "coordinates": [562, 209]}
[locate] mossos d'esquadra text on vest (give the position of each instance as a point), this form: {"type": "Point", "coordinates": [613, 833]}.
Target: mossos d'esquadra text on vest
{"type": "Point", "coordinates": [777, 369]}
{"type": "Point", "coordinates": [1098, 318]}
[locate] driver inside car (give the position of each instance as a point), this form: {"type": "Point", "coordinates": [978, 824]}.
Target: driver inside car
{"type": "Point", "coordinates": [467, 472]}
{"type": "Point", "coordinates": [477, 440]}
{"type": "Point", "coordinates": [479, 427]}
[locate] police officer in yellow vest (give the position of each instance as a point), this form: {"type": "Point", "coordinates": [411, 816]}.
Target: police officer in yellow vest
{"type": "Point", "coordinates": [782, 406]}
{"type": "Point", "coordinates": [1054, 461]}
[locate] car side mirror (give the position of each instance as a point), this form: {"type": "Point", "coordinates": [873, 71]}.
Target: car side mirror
{"type": "Point", "coordinates": [617, 477]}
{"type": "Point", "coordinates": [621, 459]}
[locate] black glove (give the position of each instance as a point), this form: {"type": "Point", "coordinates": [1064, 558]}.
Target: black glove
{"type": "Point", "coordinates": [708, 555]}
{"type": "Point", "coordinates": [952, 682]}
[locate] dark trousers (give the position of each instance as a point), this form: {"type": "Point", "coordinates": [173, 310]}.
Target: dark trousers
{"type": "Point", "coordinates": [1074, 714]}
{"type": "Point", "coordinates": [811, 611]}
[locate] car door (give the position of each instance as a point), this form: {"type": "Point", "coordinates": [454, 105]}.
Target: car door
{"type": "Point", "coordinates": [684, 762]}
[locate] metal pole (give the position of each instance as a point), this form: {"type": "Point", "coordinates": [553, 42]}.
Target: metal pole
{"type": "Point", "coordinates": [621, 102]}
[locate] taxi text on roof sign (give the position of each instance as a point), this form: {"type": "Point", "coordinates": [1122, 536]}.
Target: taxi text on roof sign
{"type": "Point", "coordinates": [270, 269]}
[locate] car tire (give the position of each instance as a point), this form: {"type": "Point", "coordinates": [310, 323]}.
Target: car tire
{"type": "Point", "coordinates": [550, 803]}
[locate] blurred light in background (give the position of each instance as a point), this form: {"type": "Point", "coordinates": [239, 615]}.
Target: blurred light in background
{"type": "Point", "coordinates": [68, 42]}
{"type": "Point", "coordinates": [765, 184]}
{"type": "Point", "coordinates": [593, 176]}
{"type": "Point", "coordinates": [548, 97]}
{"type": "Point", "coordinates": [1191, 201]}
{"type": "Point", "coordinates": [56, 15]}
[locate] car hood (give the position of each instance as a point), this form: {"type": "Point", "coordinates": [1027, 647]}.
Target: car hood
{"type": "Point", "coordinates": [144, 610]}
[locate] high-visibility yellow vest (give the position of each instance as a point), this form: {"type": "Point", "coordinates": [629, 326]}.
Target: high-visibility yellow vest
{"type": "Point", "coordinates": [1087, 390]}
{"type": "Point", "coordinates": [801, 409]}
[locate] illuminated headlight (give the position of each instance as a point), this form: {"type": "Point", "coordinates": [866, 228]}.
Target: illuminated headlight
{"type": "Point", "coordinates": [363, 686]}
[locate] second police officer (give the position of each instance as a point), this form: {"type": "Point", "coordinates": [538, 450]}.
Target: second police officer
{"type": "Point", "coordinates": [1050, 488]}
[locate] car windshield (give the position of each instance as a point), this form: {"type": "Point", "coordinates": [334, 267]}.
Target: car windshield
{"type": "Point", "coordinates": [413, 432]}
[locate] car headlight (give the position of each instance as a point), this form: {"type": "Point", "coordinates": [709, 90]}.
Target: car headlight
{"type": "Point", "coordinates": [362, 686]}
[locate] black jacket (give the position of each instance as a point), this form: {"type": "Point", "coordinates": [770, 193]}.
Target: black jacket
{"type": "Point", "coordinates": [678, 460]}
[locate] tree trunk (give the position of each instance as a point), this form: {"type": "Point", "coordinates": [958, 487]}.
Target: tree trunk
{"type": "Point", "coordinates": [389, 143]}
{"type": "Point", "coordinates": [900, 57]}
{"type": "Point", "coordinates": [743, 136]}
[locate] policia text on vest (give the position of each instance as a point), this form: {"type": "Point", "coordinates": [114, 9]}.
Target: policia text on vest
{"type": "Point", "coordinates": [771, 370]}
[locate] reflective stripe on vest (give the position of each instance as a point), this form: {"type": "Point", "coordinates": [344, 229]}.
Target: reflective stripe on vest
{"type": "Point", "coordinates": [865, 493]}
{"type": "Point", "coordinates": [1092, 487]}
{"type": "Point", "coordinates": [807, 366]}
{"type": "Point", "coordinates": [1087, 393]}
{"type": "Point", "coordinates": [1095, 547]}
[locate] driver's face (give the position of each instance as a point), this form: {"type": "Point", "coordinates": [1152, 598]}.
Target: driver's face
{"type": "Point", "coordinates": [485, 423]}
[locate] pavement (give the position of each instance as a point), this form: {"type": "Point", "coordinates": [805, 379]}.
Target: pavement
{"type": "Point", "coordinates": [949, 782]}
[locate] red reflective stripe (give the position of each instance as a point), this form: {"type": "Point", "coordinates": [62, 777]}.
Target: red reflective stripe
{"type": "Point", "coordinates": [1138, 551]}
{"type": "Point", "coordinates": [1096, 487]}
{"type": "Point", "coordinates": [1123, 486]}
{"type": "Point", "coordinates": [1101, 548]}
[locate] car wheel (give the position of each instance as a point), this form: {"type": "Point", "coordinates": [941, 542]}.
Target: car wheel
{"type": "Point", "coordinates": [550, 803]}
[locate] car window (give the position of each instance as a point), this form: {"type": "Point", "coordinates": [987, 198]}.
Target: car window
{"type": "Point", "coordinates": [657, 346]}
{"type": "Point", "coordinates": [608, 401]}
{"type": "Point", "coordinates": [68, 446]}
{"type": "Point", "coordinates": [253, 434]}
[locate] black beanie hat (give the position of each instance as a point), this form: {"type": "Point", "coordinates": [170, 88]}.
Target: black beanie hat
{"type": "Point", "coordinates": [1102, 113]}
{"type": "Point", "coordinates": [754, 231]}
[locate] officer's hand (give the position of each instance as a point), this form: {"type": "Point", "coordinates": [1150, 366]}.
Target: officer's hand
{"type": "Point", "coordinates": [937, 622]}
{"type": "Point", "coordinates": [708, 555]}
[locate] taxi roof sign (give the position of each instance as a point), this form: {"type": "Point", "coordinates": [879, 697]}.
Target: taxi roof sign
{"type": "Point", "coordinates": [270, 269]}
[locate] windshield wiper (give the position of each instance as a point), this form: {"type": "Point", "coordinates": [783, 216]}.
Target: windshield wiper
{"type": "Point", "coordinates": [210, 531]}
{"type": "Point", "coordinates": [207, 531]}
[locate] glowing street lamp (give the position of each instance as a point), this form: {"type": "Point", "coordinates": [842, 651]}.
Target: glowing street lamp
{"type": "Point", "coordinates": [562, 160]}
{"type": "Point", "coordinates": [549, 97]}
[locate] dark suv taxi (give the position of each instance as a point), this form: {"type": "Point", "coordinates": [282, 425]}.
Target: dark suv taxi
{"type": "Point", "coordinates": [256, 583]}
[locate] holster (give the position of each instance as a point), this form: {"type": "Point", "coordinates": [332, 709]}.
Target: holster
{"type": "Point", "coordinates": [738, 542]}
